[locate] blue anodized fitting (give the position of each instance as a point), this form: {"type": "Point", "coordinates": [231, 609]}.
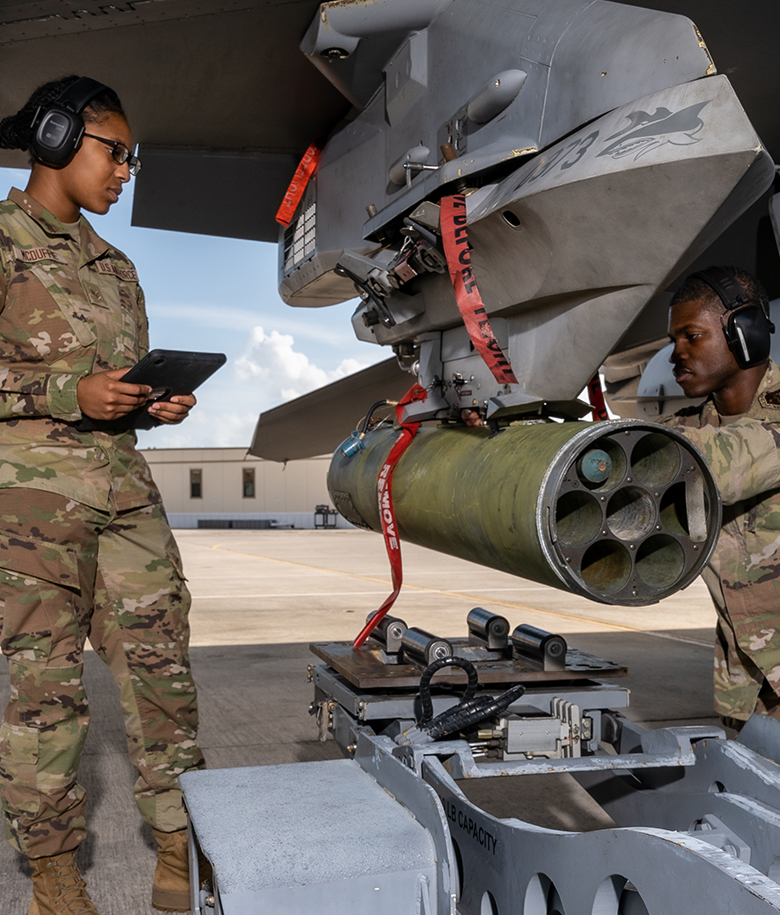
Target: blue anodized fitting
{"type": "Point", "coordinates": [353, 445]}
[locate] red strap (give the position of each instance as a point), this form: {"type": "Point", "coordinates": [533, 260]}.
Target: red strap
{"type": "Point", "coordinates": [384, 495]}
{"type": "Point", "coordinates": [303, 173]}
{"type": "Point", "coordinates": [456, 250]}
{"type": "Point", "coordinates": [596, 397]}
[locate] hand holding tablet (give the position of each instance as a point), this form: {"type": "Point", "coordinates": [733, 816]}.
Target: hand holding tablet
{"type": "Point", "coordinates": [169, 373]}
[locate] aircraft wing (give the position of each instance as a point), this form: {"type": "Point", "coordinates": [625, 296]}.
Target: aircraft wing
{"type": "Point", "coordinates": [318, 422]}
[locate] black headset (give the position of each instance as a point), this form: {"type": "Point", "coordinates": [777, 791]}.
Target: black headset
{"type": "Point", "coordinates": [747, 327]}
{"type": "Point", "coordinates": [59, 126]}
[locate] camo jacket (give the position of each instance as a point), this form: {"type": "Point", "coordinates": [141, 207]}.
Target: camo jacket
{"type": "Point", "coordinates": [67, 309]}
{"type": "Point", "coordinates": [744, 573]}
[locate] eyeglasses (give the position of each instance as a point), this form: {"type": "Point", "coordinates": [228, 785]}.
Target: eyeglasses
{"type": "Point", "coordinates": [120, 153]}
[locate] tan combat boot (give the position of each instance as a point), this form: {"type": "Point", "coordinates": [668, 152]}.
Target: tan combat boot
{"type": "Point", "coordinates": [58, 887]}
{"type": "Point", "coordinates": [171, 888]}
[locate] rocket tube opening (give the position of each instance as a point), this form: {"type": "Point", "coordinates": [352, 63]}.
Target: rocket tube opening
{"type": "Point", "coordinates": [577, 518]}
{"type": "Point", "coordinates": [617, 463]}
{"type": "Point", "coordinates": [606, 567]}
{"type": "Point", "coordinates": [673, 510]}
{"type": "Point", "coordinates": [655, 460]}
{"type": "Point", "coordinates": [631, 513]}
{"type": "Point", "coordinates": [660, 561]}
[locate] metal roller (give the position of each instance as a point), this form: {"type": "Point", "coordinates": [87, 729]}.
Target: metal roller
{"type": "Point", "coordinates": [488, 627]}
{"type": "Point", "coordinates": [540, 645]}
{"type": "Point", "coordinates": [424, 647]}
{"type": "Point", "coordinates": [621, 512]}
{"type": "Point", "coordinates": [388, 632]}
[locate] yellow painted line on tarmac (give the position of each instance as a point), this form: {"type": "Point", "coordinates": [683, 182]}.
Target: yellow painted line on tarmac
{"type": "Point", "coordinates": [514, 605]}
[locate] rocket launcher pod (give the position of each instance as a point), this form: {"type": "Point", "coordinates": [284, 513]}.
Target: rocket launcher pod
{"type": "Point", "coordinates": [621, 512]}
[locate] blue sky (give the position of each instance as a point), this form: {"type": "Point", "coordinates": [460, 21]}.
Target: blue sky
{"type": "Point", "coordinates": [220, 295]}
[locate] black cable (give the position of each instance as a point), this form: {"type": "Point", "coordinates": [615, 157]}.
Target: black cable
{"type": "Point", "coordinates": [466, 715]}
{"type": "Point", "coordinates": [367, 420]}
{"type": "Point", "coordinates": [425, 684]}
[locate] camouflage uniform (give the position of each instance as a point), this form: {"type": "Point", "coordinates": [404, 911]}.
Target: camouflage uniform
{"type": "Point", "coordinates": [85, 549]}
{"type": "Point", "coordinates": [744, 574]}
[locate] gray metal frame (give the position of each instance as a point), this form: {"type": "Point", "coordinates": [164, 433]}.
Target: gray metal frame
{"type": "Point", "coordinates": [698, 820]}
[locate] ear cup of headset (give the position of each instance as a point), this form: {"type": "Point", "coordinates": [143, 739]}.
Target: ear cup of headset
{"type": "Point", "coordinates": [59, 127]}
{"type": "Point", "coordinates": [747, 333]}
{"type": "Point", "coordinates": [57, 136]}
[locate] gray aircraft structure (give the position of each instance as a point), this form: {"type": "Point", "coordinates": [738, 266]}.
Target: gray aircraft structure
{"type": "Point", "coordinates": [568, 159]}
{"type": "Point", "coordinates": [598, 152]}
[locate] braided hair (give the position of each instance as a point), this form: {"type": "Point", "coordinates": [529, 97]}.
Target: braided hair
{"type": "Point", "coordinates": [16, 131]}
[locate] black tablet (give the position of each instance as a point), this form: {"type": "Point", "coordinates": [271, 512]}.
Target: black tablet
{"type": "Point", "coordinates": [169, 373]}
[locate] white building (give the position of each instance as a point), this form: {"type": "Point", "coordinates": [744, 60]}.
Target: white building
{"type": "Point", "coordinates": [228, 487]}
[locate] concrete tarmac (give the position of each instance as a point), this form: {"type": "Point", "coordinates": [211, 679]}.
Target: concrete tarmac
{"type": "Point", "coordinates": [259, 598]}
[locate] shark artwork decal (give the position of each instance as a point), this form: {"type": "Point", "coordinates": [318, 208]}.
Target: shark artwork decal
{"type": "Point", "coordinates": [646, 132]}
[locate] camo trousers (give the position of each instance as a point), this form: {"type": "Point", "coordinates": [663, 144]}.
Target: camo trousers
{"type": "Point", "coordinates": [741, 686]}
{"type": "Point", "coordinates": [68, 572]}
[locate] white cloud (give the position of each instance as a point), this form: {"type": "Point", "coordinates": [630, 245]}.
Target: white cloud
{"type": "Point", "coordinates": [283, 371]}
